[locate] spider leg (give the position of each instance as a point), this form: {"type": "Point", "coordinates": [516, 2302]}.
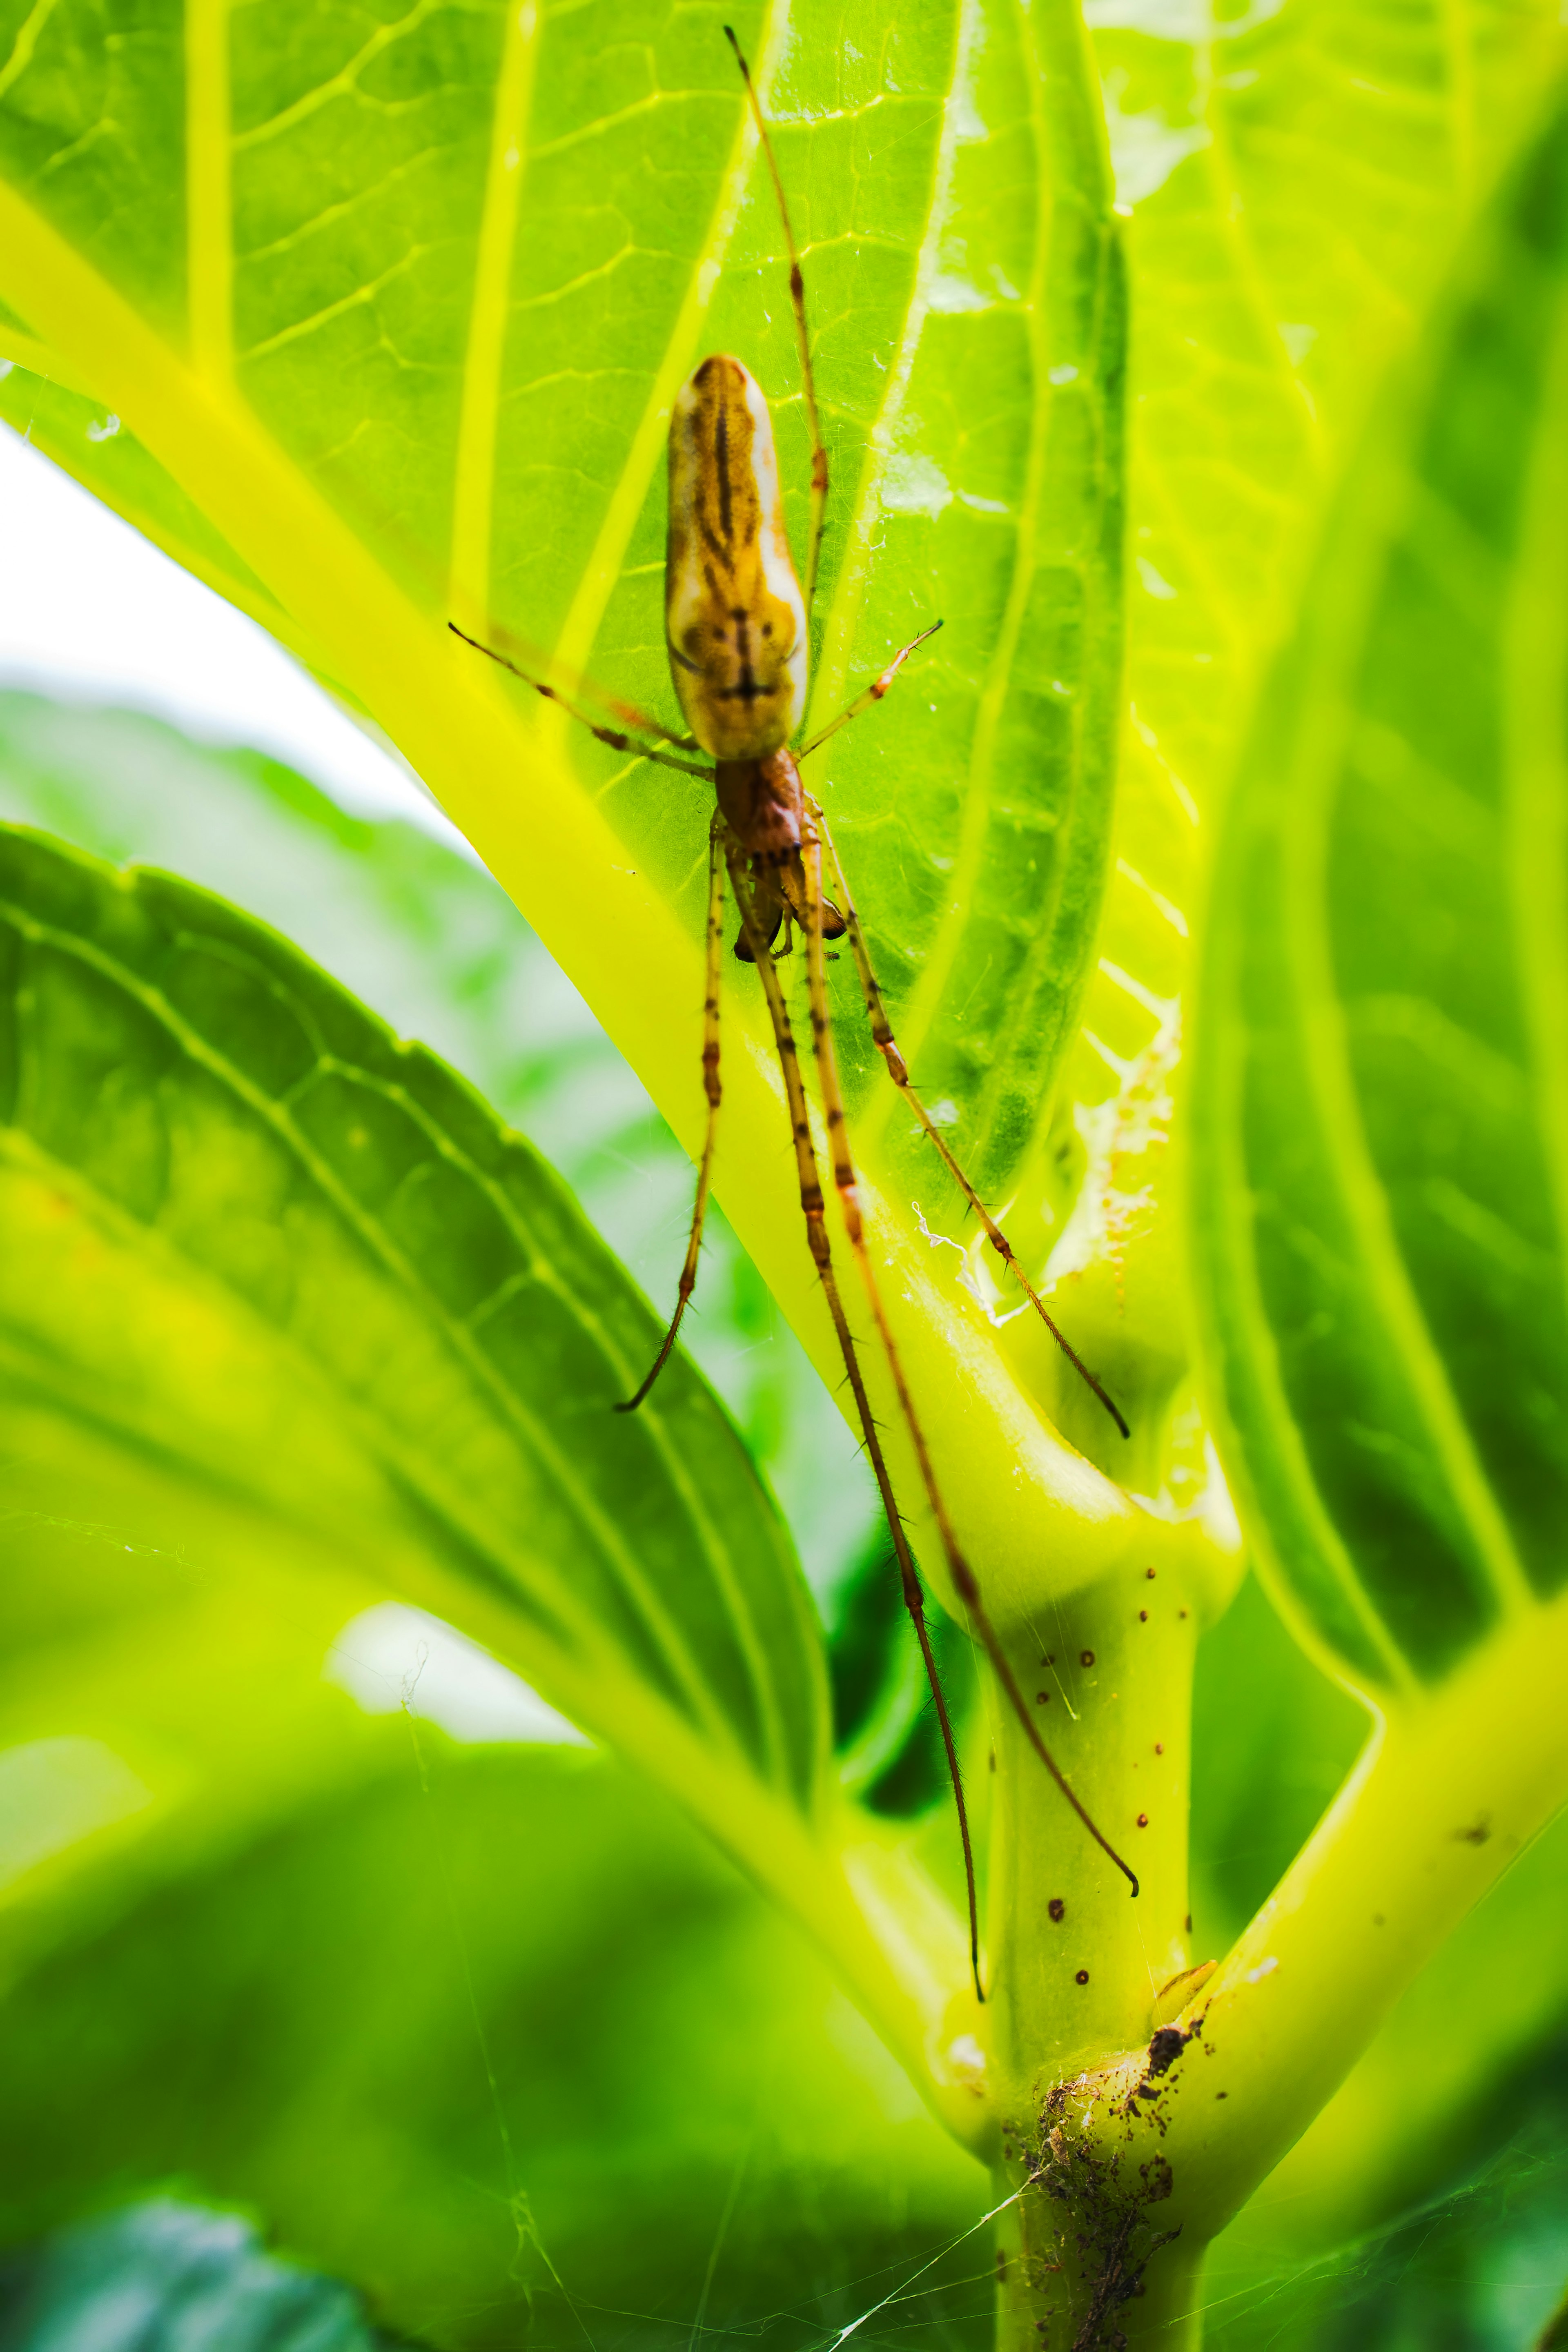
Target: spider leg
{"type": "Point", "coordinates": [870, 694]}
{"type": "Point", "coordinates": [882, 1032]}
{"type": "Point", "coordinates": [711, 1082]}
{"type": "Point", "coordinates": [642, 735]}
{"type": "Point", "coordinates": [803, 338]}
{"type": "Point", "coordinates": [813, 1208]}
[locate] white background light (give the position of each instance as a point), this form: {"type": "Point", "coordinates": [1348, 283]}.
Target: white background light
{"type": "Point", "coordinates": [91, 611]}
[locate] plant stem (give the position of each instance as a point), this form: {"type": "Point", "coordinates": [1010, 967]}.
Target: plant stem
{"type": "Point", "coordinates": [1078, 1964]}
{"type": "Point", "coordinates": [1034, 2313]}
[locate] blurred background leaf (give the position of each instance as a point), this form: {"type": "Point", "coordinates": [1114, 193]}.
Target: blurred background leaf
{"type": "Point", "coordinates": [510, 1993]}
{"type": "Point", "coordinates": [161, 2277]}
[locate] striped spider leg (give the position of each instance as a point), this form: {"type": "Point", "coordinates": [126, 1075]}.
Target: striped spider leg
{"type": "Point", "coordinates": [755, 940]}
{"type": "Point", "coordinates": [713, 966]}
{"type": "Point", "coordinates": [640, 733]}
{"type": "Point", "coordinates": [888, 1045]}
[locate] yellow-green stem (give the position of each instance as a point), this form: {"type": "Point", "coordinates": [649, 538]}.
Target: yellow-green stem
{"type": "Point", "coordinates": [1078, 1963]}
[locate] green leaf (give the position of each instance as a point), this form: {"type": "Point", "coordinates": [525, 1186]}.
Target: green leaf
{"type": "Point", "coordinates": [1297, 178]}
{"type": "Point", "coordinates": [1381, 1181]}
{"type": "Point", "coordinates": [164, 2277]}
{"type": "Point", "coordinates": [162, 1698]}
{"type": "Point", "coordinates": [1479, 2268]}
{"type": "Point", "coordinates": [1294, 179]}
{"type": "Point", "coordinates": [270, 1268]}
{"type": "Point", "coordinates": [426, 939]}
{"type": "Point", "coordinates": [398, 313]}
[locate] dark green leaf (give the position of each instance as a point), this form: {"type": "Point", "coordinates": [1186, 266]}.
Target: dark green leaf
{"type": "Point", "coordinates": [1272, 1740]}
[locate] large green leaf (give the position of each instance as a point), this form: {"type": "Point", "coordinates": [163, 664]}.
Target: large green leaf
{"type": "Point", "coordinates": [389, 317]}
{"type": "Point", "coordinates": [273, 1276]}
{"type": "Point", "coordinates": [1294, 176]}
{"type": "Point", "coordinates": [1381, 1172]}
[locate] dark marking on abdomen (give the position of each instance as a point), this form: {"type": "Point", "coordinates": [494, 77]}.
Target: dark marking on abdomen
{"type": "Point", "coordinates": [721, 459]}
